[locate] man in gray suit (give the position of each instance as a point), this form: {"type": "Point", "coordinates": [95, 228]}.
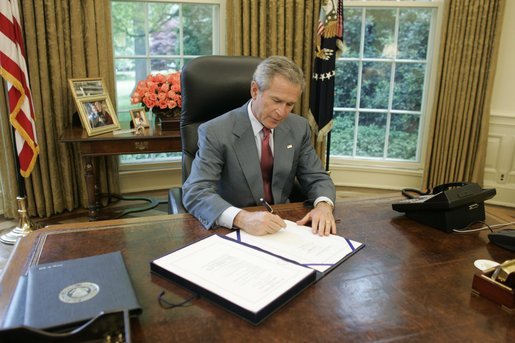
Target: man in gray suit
{"type": "Point", "coordinates": [226, 173]}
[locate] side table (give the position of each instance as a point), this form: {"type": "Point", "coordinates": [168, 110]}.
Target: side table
{"type": "Point", "coordinates": [152, 140]}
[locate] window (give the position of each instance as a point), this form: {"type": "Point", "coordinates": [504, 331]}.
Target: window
{"type": "Point", "coordinates": [159, 37]}
{"type": "Point", "coordinates": [382, 81]}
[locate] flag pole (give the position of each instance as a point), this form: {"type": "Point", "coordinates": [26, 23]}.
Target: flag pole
{"type": "Point", "coordinates": [328, 151]}
{"type": "Point", "coordinates": [25, 225]}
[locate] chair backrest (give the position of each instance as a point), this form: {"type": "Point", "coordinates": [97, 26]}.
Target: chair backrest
{"type": "Point", "coordinates": [211, 86]}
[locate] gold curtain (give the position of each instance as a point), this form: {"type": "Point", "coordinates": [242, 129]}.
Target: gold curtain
{"type": "Point", "coordinates": [63, 39]}
{"type": "Point", "coordinates": [276, 27]}
{"type": "Point", "coordinates": [459, 127]}
{"type": "Point", "coordinates": [7, 170]}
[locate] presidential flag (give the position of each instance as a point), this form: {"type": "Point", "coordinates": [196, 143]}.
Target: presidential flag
{"type": "Point", "coordinates": [14, 70]}
{"type": "Point", "coordinates": [328, 45]}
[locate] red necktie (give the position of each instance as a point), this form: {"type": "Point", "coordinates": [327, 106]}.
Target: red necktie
{"type": "Point", "coordinates": [267, 163]}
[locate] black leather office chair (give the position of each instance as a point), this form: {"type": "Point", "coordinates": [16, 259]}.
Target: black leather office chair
{"type": "Point", "coordinates": [210, 86]}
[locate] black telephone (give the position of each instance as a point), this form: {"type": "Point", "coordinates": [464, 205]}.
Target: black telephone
{"type": "Point", "coordinates": [449, 206]}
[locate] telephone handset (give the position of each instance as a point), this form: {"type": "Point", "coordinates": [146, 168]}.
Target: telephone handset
{"type": "Point", "coordinates": [448, 206]}
{"type": "Point", "coordinates": [407, 192]}
{"type": "Point", "coordinates": [446, 196]}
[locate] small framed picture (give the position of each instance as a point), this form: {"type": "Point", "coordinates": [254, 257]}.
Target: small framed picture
{"type": "Point", "coordinates": [97, 115]}
{"type": "Point", "coordinates": [139, 117]}
{"type": "Point", "coordinates": [82, 88]}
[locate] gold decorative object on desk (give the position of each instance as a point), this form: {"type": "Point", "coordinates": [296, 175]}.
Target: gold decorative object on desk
{"type": "Point", "coordinates": [25, 225]}
{"type": "Point", "coordinates": [497, 284]}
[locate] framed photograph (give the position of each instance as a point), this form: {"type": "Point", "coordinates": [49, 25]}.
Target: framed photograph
{"type": "Point", "coordinates": [82, 88]}
{"type": "Point", "coordinates": [97, 115]}
{"type": "Point", "coordinates": [139, 117]}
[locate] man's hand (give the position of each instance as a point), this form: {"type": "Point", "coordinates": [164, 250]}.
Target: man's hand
{"type": "Point", "coordinates": [322, 219]}
{"type": "Point", "coordinates": [258, 223]}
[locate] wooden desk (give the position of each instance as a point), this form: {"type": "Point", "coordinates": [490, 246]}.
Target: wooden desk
{"type": "Point", "coordinates": [409, 283]}
{"type": "Point", "coordinates": [151, 141]}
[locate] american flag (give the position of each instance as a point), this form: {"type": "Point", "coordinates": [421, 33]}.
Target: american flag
{"type": "Point", "coordinates": [329, 44]}
{"type": "Point", "coordinates": [14, 70]}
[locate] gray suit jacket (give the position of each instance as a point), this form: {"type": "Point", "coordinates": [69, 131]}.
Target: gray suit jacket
{"type": "Point", "coordinates": [226, 170]}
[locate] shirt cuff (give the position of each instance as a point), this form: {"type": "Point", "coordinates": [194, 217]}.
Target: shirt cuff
{"type": "Point", "coordinates": [226, 219]}
{"type": "Point", "coordinates": [323, 199]}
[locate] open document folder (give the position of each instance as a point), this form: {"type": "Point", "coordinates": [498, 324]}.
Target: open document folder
{"type": "Point", "coordinates": [252, 281]}
{"type": "Point", "coordinates": [299, 244]}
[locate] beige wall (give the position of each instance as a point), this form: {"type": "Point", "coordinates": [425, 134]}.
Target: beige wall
{"type": "Point", "coordinates": [503, 98]}
{"type": "Point", "coordinates": [500, 157]}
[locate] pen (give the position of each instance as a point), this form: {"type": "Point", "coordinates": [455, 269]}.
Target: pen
{"type": "Point", "coordinates": [267, 205]}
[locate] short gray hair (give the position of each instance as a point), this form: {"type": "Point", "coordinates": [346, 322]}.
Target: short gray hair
{"type": "Point", "coordinates": [278, 65]}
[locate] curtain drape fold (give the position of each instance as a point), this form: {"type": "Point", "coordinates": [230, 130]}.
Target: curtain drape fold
{"type": "Point", "coordinates": [459, 128]}
{"type": "Point", "coordinates": [63, 40]}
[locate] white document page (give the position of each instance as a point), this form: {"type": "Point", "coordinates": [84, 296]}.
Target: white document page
{"type": "Point", "coordinates": [298, 243]}
{"type": "Point", "coordinates": [247, 277]}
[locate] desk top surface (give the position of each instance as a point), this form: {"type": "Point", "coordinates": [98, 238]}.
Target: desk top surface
{"type": "Point", "coordinates": [76, 134]}
{"type": "Point", "coordinates": [409, 283]}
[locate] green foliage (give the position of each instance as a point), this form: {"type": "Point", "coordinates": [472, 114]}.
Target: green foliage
{"type": "Point", "coordinates": [379, 32]}
{"type": "Point", "coordinates": [409, 86]}
{"type": "Point", "coordinates": [342, 135]}
{"type": "Point", "coordinates": [375, 86]}
{"type": "Point", "coordinates": [198, 29]}
{"type": "Point", "coordinates": [413, 37]}
{"type": "Point", "coordinates": [403, 145]}
{"type": "Point", "coordinates": [371, 134]}
{"type": "Point", "coordinates": [346, 84]}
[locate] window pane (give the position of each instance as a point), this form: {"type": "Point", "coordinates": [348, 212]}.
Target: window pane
{"type": "Point", "coordinates": [375, 88]}
{"type": "Point", "coordinates": [342, 135]}
{"type": "Point", "coordinates": [413, 37]}
{"type": "Point", "coordinates": [164, 23]}
{"type": "Point", "coordinates": [371, 134]}
{"type": "Point", "coordinates": [409, 85]}
{"type": "Point", "coordinates": [402, 142]}
{"type": "Point", "coordinates": [165, 65]}
{"type": "Point", "coordinates": [128, 28]}
{"type": "Point", "coordinates": [352, 32]}
{"type": "Point", "coordinates": [125, 82]}
{"type": "Point", "coordinates": [379, 33]}
{"type": "Point", "coordinates": [198, 29]}
{"type": "Point", "coordinates": [346, 83]}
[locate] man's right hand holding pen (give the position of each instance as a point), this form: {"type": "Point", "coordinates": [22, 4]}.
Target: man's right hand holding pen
{"type": "Point", "coordinates": [264, 223]}
{"type": "Point", "coordinates": [259, 223]}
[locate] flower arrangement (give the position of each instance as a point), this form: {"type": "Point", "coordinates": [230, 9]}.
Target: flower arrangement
{"type": "Point", "coordinates": [159, 91]}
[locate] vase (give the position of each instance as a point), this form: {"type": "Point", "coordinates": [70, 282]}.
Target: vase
{"type": "Point", "coordinates": [167, 119]}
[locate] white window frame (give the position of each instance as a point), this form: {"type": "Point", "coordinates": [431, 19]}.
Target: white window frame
{"type": "Point", "coordinates": [390, 174]}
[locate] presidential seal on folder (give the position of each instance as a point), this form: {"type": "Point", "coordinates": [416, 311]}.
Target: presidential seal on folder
{"type": "Point", "coordinates": [65, 294]}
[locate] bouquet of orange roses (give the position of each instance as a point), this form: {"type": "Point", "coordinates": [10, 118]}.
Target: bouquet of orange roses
{"type": "Point", "coordinates": [159, 91]}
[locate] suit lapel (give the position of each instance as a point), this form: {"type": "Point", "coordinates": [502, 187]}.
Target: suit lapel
{"type": "Point", "coordinates": [284, 150]}
{"type": "Point", "coordinates": [246, 152]}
